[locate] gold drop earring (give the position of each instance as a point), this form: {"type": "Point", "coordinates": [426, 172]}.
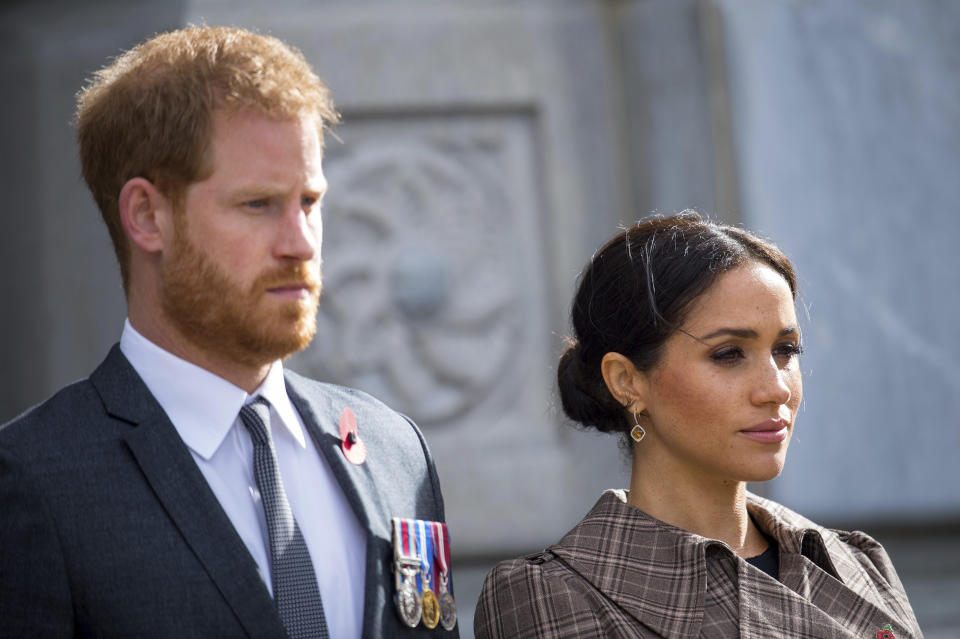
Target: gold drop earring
{"type": "Point", "coordinates": [637, 432]}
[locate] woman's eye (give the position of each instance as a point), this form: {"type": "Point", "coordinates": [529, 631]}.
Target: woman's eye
{"type": "Point", "coordinates": [727, 355]}
{"type": "Point", "coordinates": [788, 350]}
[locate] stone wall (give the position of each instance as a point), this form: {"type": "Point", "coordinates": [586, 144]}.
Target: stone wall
{"type": "Point", "coordinates": [486, 150]}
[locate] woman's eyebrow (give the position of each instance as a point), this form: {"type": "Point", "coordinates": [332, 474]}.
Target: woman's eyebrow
{"type": "Point", "coordinates": [746, 333]}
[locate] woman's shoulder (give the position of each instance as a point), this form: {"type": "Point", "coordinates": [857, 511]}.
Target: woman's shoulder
{"type": "Point", "coordinates": [853, 554]}
{"type": "Point", "coordinates": [781, 520]}
{"type": "Point", "coordinates": [534, 596]}
{"type": "Point", "coordinates": [575, 587]}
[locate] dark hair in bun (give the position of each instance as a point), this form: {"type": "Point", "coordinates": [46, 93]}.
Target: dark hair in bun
{"type": "Point", "coordinates": [635, 293]}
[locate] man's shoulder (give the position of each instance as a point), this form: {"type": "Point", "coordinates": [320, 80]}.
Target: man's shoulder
{"type": "Point", "coordinates": [63, 422]}
{"type": "Point", "coordinates": [325, 391]}
{"type": "Point", "coordinates": [374, 418]}
{"type": "Point", "coordinates": [399, 468]}
{"type": "Point", "coordinates": [52, 417]}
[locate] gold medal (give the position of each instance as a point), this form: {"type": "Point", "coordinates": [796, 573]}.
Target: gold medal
{"type": "Point", "coordinates": [431, 609]}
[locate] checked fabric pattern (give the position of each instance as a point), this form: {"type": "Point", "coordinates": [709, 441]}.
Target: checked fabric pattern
{"type": "Point", "coordinates": [295, 590]}
{"type": "Point", "coordinates": [622, 573]}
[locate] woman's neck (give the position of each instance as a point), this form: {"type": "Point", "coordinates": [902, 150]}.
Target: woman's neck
{"type": "Point", "coordinates": [706, 506]}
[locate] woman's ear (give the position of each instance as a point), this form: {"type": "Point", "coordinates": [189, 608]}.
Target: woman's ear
{"type": "Point", "coordinates": [144, 213]}
{"type": "Point", "coordinates": [627, 385]}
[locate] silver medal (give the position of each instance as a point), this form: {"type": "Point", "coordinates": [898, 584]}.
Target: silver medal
{"type": "Point", "coordinates": [448, 607]}
{"type": "Point", "coordinates": [407, 598]}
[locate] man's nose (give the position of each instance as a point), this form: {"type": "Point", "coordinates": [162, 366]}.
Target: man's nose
{"type": "Point", "coordinates": [299, 234]}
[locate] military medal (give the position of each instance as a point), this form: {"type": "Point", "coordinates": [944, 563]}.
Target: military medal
{"type": "Point", "coordinates": [448, 607]}
{"type": "Point", "coordinates": [429, 604]}
{"type": "Point", "coordinates": [431, 609]}
{"type": "Point", "coordinates": [407, 598]}
{"type": "Point", "coordinates": [406, 566]}
{"type": "Point", "coordinates": [421, 565]}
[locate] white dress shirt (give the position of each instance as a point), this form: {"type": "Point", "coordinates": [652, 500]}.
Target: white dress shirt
{"type": "Point", "coordinates": [205, 408]}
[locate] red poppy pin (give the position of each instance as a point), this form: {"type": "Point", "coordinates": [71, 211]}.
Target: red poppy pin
{"type": "Point", "coordinates": [353, 447]}
{"type": "Point", "coordinates": [886, 632]}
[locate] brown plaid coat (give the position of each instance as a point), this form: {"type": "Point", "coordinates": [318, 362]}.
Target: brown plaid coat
{"type": "Point", "coordinates": [621, 573]}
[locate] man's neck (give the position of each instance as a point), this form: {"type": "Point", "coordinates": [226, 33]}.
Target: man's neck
{"type": "Point", "coordinates": [248, 376]}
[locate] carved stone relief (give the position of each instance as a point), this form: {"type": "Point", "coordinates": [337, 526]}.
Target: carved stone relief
{"type": "Point", "coordinates": [426, 262]}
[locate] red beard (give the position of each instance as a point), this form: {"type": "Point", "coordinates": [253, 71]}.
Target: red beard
{"type": "Point", "coordinates": [221, 317]}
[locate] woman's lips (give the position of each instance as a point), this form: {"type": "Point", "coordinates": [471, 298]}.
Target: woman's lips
{"type": "Point", "coordinates": [770, 431]}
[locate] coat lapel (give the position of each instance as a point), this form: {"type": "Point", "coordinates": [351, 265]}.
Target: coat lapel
{"type": "Point", "coordinates": [853, 598]}
{"type": "Point", "coordinates": [658, 578]}
{"type": "Point", "coordinates": [321, 418]}
{"type": "Point", "coordinates": [828, 592]}
{"type": "Point", "coordinates": [814, 604]}
{"type": "Point", "coordinates": [183, 492]}
{"type": "Point", "coordinates": [765, 604]}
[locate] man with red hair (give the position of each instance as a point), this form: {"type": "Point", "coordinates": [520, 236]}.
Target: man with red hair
{"type": "Point", "coordinates": [191, 487]}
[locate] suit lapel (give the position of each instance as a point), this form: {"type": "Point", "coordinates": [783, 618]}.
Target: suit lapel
{"type": "Point", "coordinates": [321, 418]}
{"type": "Point", "coordinates": [185, 495]}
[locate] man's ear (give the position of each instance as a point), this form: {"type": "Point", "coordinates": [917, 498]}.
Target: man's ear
{"type": "Point", "coordinates": [627, 385]}
{"type": "Point", "coordinates": [145, 214]}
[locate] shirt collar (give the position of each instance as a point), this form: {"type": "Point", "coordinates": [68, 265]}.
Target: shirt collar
{"type": "Point", "coordinates": [274, 390]}
{"type": "Point", "coordinates": [201, 405]}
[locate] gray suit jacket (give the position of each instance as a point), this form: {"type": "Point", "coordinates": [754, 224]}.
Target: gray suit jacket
{"type": "Point", "coordinates": [109, 529]}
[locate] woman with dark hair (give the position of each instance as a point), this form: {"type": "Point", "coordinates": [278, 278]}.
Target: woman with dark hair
{"type": "Point", "coordinates": [686, 343]}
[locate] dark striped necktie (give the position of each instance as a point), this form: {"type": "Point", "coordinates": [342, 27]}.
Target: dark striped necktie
{"type": "Point", "coordinates": [295, 590]}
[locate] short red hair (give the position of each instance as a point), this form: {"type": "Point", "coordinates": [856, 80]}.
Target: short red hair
{"type": "Point", "coordinates": [149, 113]}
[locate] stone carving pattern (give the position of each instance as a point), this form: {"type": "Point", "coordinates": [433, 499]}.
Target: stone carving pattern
{"type": "Point", "coordinates": [422, 298]}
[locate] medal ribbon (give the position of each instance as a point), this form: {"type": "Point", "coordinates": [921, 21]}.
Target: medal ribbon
{"type": "Point", "coordinates": [397, 539]}
{"type": "Point", "coordinates": [406, 547]}
{"type": "Point", "coordinates": [426, 550]}
{"type": "Point", "coordinates": [443, 560]}
{"type": "Point", "coordinates": [404, 539]}
{"type": "Point", "coordinates": [408, 539]}
{"type": "Point", "coordinates": [402, 547]}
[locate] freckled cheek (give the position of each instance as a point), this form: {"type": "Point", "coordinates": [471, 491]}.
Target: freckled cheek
{"type": "Point", "coordinates": [795, 384]}
{"type": "Point", "coordinates": [691, 399]}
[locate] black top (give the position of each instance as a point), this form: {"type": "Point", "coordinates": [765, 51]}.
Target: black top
{"type": "Point", "coordinates": [769, 560]}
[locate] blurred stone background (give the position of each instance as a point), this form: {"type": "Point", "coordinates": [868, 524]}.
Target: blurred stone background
{"type": "Point", "coordinates": [487, 149]}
